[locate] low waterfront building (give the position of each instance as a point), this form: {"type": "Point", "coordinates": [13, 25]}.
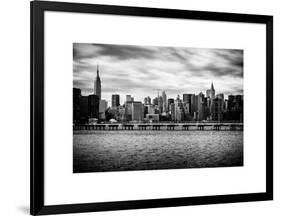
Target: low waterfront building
{"type": "Point", "coordinates": [152, 117]}
{"type": "Point", "coordinates": [102, 109]}
{"type": "Point", "coordinates": [150, 109]}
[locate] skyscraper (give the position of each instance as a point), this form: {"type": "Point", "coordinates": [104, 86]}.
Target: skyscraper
{"type": "Point", "coordinates": [212, 91]}
{"type": "Point", "coordinates": [201, 107]}
{"type": "Point", "coordinates": [93, 106]}
{"type": "Point", "coordinates": [216, 113]}
{"type": "Point", "coordinates": [83, 109]}
{"type": "Point", "coordinates": [172, 111]}
{"type": "Point", "coordinates": [194, 104]}
{"type": "Point", "coordinates": [179, 110]}
{"type": "Point", "coordinates": [164, 97]}
{"type": "Point", "coordinates": [97, 86]}
{"type": "Point", "coordinates": [129, 98]}
{"type": "Point", "coordinates": [160, 104]}
{"type": "Point", "coordinates": [155, 101]}
{"type": "Point", "coordinates": [208, 93]}
{"type": "Point", "coordinates": [147, 100]}
{"type": "Point", "coordinates": [137, 111]}
{"type": "Point", "coordinates": [115, 102]}
{"type": "Point", "coordinates": [187, 101]}
{"type": "Point", "coordinates": [76, 104]}
{"type": "Point", "coordinates": [220, 96]}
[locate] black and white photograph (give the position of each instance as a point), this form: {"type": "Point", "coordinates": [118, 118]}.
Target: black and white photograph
{"type": "Point", "coordinates": [156, 107]}
{"type": "Point", "coordinates": [138, 107]}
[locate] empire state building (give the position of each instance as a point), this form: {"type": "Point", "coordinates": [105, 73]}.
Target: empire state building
{"type": "Point", "coordinates": [97, 86]}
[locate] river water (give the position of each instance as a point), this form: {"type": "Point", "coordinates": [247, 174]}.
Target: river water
{"type": "Point", "coordinates": [98, 151]}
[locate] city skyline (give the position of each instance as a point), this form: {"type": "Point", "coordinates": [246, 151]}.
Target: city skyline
{"type": "Point", "coordinates": [190, 107]}
{"type": "Point", "coordinates": [142, 71]}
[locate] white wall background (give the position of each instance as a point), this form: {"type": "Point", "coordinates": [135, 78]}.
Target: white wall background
{"type": "Point", "coordinates": [14, 106]}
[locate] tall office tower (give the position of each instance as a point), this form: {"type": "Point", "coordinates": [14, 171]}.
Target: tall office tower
{"type": "Point", "coordinates": [147, 100]}
{"type": "Point", "coordinates": [234, 108]}
{"type": "Point", "coordinates": [179, 111]}
{"type": "Point", "coordinates": [186, 98]}
{"type": "Point", "coordinates": [194, 104]}
{"type": "Point", "coordinates": [129, 98]}
{"type": "Point", "coordinates": [172, 111]}
{"type": "Point", "coordinates": [239, 106]}
{"type": "Point", "coordinates": [155, 101]}
{"type": "Point", "coordinates": [160, 104]}
{"type": "Point", "coordinates": [213, 92]}
{"type": "Point", "coordinates": [210, 93]}
{"type": "Point", "coordinates": [97, 86]}
{"type": "Point", "coordinates": [170, 101]}
{"type": "Point", "coordinates": [187, 101]}
{"type": "Point", "coordinates": [164, 98]}
{"type": "Point", "coordinates": [83, 109]}
{"type": "Point", "coordinates": [93, 106]}
{"type": "Point", "coordinates": [220, 96]}
{"type": "Point", "coordinates": [115, 101]}
{"type": "Point", "coordinates": [201, 107]}
{"type": "Point", "coordinates": [76, 104]}
{"type": "Point", "coordinates": [128, 111]}
{"type": "Point", "coordinates": [226, 104]}
{"type": "Point", "coordinates": [231, 102]}
{"type": "Point", "coordinates": [208, 104]}
{"type": "Point", "coordinates": [216, 113]}
{"type": "Point", "coordinates": [137, 111]}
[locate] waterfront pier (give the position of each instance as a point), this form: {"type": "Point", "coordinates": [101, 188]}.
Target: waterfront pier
{"type": "Point", "coordinates": [201, 126]}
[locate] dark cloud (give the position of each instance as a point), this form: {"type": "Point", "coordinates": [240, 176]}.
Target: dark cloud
{"type": "Point", "coordinates": [218, 70]}
{"type": "Point", "coordinates": [126, 52]}
{"type": "Point", "coordinates": [234, 57]}
{"type": "Point", "coordinates": [120, 52]}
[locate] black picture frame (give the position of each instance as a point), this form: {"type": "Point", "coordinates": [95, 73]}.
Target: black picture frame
{"type": "Point", "coordinates": [37, 206]}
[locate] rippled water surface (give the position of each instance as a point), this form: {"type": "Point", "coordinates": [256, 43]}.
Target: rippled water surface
{"type": "Point", "coordinates": [146, 150]}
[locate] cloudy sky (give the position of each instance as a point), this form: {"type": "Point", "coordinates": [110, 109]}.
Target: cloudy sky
{"type": "Point", "coordinates": [141, 70]}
